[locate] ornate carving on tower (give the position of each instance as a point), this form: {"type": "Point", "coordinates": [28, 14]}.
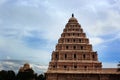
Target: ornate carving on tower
{"type": "Point", "coordinates": [73, 51]}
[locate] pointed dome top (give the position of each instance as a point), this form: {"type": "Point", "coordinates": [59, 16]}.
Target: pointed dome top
{"type": "Point", "coordinates": [72, 15]}
{"type": "Point", "coordinates": [72, 19]}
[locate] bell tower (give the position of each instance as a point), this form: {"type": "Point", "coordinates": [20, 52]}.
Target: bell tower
{"type": "Point", "coordinates": [73, 53]}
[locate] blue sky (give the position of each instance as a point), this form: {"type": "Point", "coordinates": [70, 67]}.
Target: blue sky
{"type": "Point", "coordinates": [29, 29]}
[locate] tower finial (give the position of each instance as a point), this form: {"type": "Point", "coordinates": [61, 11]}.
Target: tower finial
{"type": "Point", "coordinates": [72, 15]}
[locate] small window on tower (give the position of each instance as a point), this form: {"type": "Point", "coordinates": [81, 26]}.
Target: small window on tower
{"type": "Point", "coordinates": [74, 47]}
{"type": "Point", "coordinates": [84, 56]}
{"type": "Point", "coordinates": [68, 40]}
{"type": "Point", "coordinates": [65, 56]}
{"type": "Point", "coordinates": [66, 47]}
{"type": "Point", "coordinates": [56, 56]}
{"type": "Point", "coordinates": [81, 47]}
{"type": "Point", "coordinates": [54, 66]}
{"type": "Point", "coordinates": [85, 67]}
{"type": "Point", "coordinates": [73, 34]}
{"type": "Point", "coordinates": [75, 66]}
{"type": "Point", "coordinates": [65, 66]}
{"type": "Point", "coordinates": [74, 55]}
{"type": "Point", "coordinates": [93, 56]}
{"type": "Point", "coordinates": [80, 40]}
{"type": "Point", "coordinates": [73, 40]}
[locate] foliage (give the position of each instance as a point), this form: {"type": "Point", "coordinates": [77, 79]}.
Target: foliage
{"type": "Point", "coordinates": [26, 75]}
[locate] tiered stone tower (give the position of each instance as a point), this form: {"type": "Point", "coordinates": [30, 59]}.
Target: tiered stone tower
{"type": "Point", "coordinates": [73, 55]}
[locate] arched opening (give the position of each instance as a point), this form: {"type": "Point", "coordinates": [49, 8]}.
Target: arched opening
{"type": "Point", "coordinates": [66, 47]}
{"type": "Point", "coordinates": [73, 40]}
{"type": "Point", "coordinates": [74, 47]}
{"type": "Point", "coordinates": [81, 47]}
{"type": "Point", "coordinates": [84, 56]}
{"type": "Point", "coordinates": [73, 34]}
{"type": "Point", "coordinates": [85, 67]}
{"type": "Point", "coordinates": [93, 56]}
{"type": "Point", "coordinates": [65, 56]}
{"type": "Point", "coordinates": [68, 40]}
{"type": "Point", "coordinates": [80, 40]}
{"type": "Point", "coordinates": [75, 66]}
{"type": "Point", "coordinates": [65, 66]}
{"type": "Point", "coordinates": [74, 56]}
{"type": "Point", "coordinates": [56, 56]}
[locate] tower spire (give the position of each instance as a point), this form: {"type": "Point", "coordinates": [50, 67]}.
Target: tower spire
{"type": "Point", "coordinates": [72, 15]}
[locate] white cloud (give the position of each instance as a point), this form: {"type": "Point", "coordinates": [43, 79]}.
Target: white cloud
{"type": "Point", "coordinates": [109, 65]}
{"type": "Point", "coordinates": [17, 50]}
{"type": "Point", "coordinates": [16, 64]}
{"type": "Point", "coordinates": [96, 40]}
{"type": "Point", "coordinates": [29, 15]}
{"type": "Point", "coordinates": [38, 67]}
{"type": "Point", "coordinates": [105, 26]}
